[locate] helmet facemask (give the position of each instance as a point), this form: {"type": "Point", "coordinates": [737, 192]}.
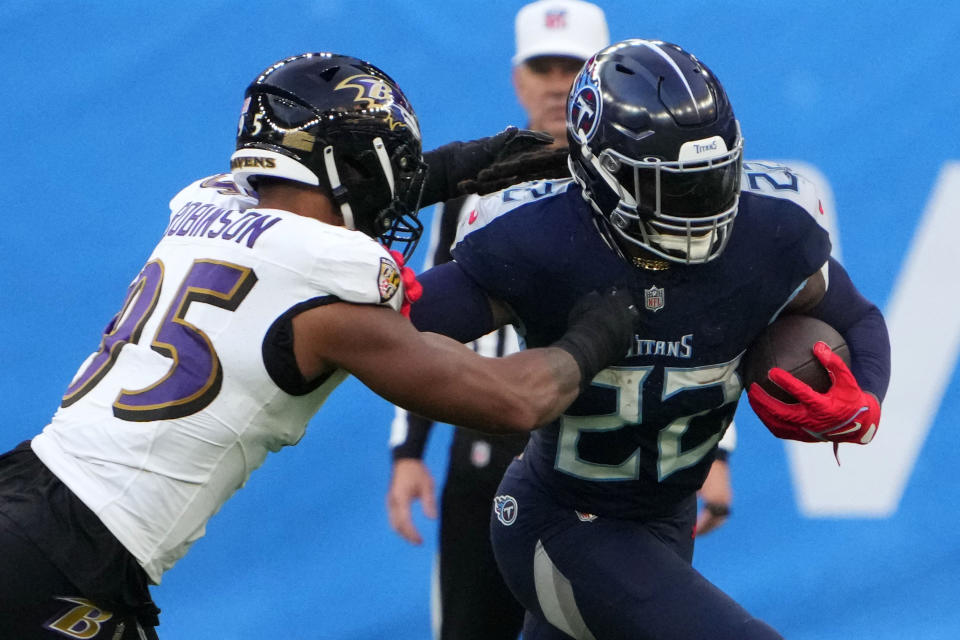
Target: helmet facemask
{"type": "Point", "coordinates": [681, 210]}
{"type": "Point", "coordinates": [361, 182]}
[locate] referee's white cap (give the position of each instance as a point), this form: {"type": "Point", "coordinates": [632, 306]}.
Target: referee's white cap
{"type": "Point", "coordinates": [570, 28]}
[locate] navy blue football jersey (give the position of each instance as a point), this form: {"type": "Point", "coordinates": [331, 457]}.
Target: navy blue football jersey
{"type": "Point", "coordinates": [642, 436]}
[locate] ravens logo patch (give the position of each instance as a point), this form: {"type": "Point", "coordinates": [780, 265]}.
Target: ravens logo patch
{"type": "Point", "coordinates": [389, 281]}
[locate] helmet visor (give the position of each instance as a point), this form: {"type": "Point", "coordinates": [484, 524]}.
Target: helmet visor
{"type": "Point", "coordinates": [682, 210]}
{"type": "Point", "coordinates": [676, 189]}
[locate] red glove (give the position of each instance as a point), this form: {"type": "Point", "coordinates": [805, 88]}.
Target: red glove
{"type": "Point", "coordinates": [844, 413]}
{"type": "Point", "coordinates": [412, 290]}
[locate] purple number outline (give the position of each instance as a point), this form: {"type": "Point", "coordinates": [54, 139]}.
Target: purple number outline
{"type": "Point", "coordinates": [125, 327]}
{"type": "Point", "coordinates": [196, 375]}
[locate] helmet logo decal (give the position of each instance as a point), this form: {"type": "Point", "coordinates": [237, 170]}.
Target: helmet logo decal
{"type": "Point", "coordinates": [585, 113]}
{"type": "Point", "coordinates": [586, 106]}
{"type": "Point", "coordinates": [373, 93]}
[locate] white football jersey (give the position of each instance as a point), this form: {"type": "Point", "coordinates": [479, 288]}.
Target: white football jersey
{"type": "Point", "coordinates": [176, 408]}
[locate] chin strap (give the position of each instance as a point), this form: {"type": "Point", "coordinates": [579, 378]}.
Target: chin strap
{"type": "Point", "coordinates": [337, 189]}
{"type": "Point", "coordinates": [384, 159]}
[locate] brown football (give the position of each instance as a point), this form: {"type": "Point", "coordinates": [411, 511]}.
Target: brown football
{"type": "Point", "coordinates": [788, 343]}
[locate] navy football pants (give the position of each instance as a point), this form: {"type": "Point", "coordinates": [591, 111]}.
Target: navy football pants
{"type": "Point", "coordinates": [608, 579]}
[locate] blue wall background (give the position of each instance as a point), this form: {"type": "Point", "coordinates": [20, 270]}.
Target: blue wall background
{"type": "Point", "coordinates": [108, 108]}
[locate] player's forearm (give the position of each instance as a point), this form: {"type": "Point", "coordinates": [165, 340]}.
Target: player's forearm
{"type": "Point", "coordinates": [526, 390]}
{"type": "Point", "coordinates": [545, 380]}
{"type": "Point", "coordinates": [599, 333]}
{"type": "Point", "coordinates": [495, 395]}
{"type": "Point", "coordinates": [861, 324]}
{"type": "Point", "coordinates": [869, 345]}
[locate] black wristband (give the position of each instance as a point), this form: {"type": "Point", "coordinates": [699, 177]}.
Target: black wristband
{"type": "Point", "coordinates": [590, 348]}
{"type": "Point", "coordinates": [717, 510]}
{"type": "Point", "coordinates": [418, 428]}
{"type": "Point", "coordinates": [600, 331]}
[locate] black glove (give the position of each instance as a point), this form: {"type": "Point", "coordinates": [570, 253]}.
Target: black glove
{"type": "Point", "coordinates": [458, 161]}
{"type": "Point", "coordinates": [539, 164]}
{"type": "Point", "coordinates": [600, 331]}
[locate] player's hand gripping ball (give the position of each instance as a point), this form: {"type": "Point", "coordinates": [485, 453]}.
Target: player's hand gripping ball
{"type": "Point", "coordinates": [799, 384]}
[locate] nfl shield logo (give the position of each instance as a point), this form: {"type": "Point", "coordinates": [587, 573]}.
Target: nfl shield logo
{"type": "Point", "coordinates": [653, 298]}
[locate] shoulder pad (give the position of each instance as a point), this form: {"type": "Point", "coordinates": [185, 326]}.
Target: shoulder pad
{"type": "Point", "coordinates": [354, 268]}
{"type": "Point", "coordinates": [775, 180]}
{"type": "Point", "coordinates": [494, 205]}
{"type": "Point", "coordinates": [799, 182]}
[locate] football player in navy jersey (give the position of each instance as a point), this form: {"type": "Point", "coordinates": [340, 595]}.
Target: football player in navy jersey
{"type": "Point", "coordinates": [593, 525]}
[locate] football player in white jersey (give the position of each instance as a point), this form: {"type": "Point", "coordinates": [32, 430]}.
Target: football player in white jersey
{"type": "Point", "coordinates": [248, 313]}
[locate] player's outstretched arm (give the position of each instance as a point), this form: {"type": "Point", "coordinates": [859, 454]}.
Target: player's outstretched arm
{"type": "Point", "coordinates": [456, 162]}
{"type": "Point", "coordinates": [438, 377]}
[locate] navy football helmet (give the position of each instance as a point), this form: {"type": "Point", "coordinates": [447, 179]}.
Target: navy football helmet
{"type": "Point", "coordinates": [657, 149]}
{"type": "Point", "coordinates": [342, 124]}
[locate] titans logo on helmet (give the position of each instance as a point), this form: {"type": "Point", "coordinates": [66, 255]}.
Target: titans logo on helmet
{"type": "Point", "coordinates": [373, 93]}
{"type": "Point", "coordinates": [585, 106]}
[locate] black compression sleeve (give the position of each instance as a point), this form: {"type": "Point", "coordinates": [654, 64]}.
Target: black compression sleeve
{"type": "Point", "coordinates": [448, 165]}
{"type": "Point", "coordinates": [862, 325]}
{"type": "Point", "coordinates": [418, 428]}
{"type": "Point", "coordinates": [452, 304]}
{"type": "Point", "coordinates": [599, 331]}
{"type": "Point", "coordinates": [458, 161]}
